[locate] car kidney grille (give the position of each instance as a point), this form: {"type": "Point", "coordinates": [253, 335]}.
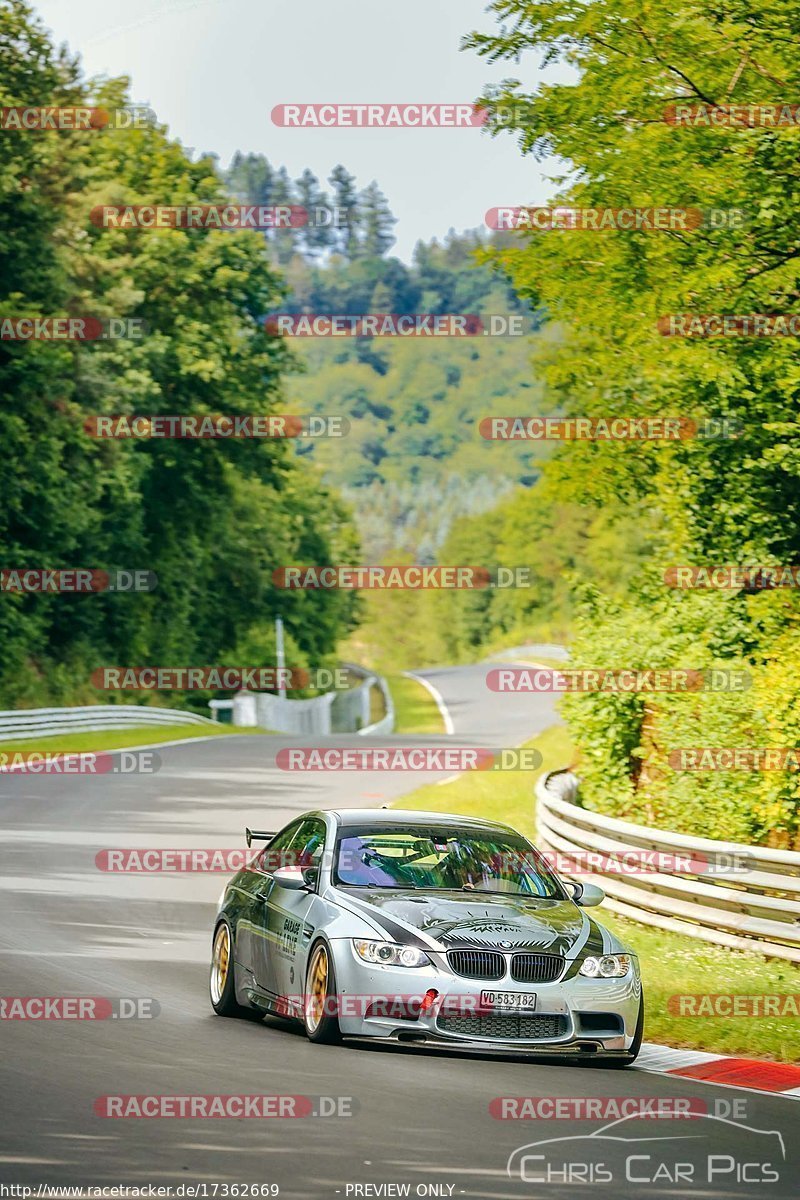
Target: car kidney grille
{"type": "Point", "coordinates": [505, 1025]}
{"type": "Point", "coordinates": [477, 964]}
{"type": "Point", "coordinates": [536, 968]}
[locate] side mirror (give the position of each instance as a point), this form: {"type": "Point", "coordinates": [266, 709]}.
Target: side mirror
{"type": "Point", "coordinates": [587, 895]}
{"type": "Point", "coordinates": [290, 878]}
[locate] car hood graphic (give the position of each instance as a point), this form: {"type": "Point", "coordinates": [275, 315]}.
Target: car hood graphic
{"type": "Point", "coordinates": [484, 920]}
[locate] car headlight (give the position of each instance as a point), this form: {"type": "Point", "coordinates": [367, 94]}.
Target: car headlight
{"type": "Point", "coordinates": [387, 954]}
{"type": "Point", "coordinates": [610, 966]}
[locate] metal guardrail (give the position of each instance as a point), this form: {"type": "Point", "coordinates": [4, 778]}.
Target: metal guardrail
{"type": "Point", "coordinates": [386, 724]}
{"type": "Point", "coordinates": [755, 905]}
{"type": "Point", "coordinates": [24, 724]}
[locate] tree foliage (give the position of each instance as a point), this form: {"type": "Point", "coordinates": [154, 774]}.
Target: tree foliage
{"type": "Point", "coordinates": [212, 519]}
{"type": "Point", "coordinates": [729, 500]}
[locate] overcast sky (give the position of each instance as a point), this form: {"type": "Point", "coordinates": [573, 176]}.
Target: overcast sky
{"type": "Point", "coordinates": [213, 70]}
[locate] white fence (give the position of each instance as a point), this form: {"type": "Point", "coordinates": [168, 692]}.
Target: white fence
{"type": "Point", "coordinates": [346, 711]}
{"type": "Point", "coordinates": [267, 711]}
{"type": "Point", "coordinates": [749, 899]}
{"type": "Point", "coordinates": [25, 724]}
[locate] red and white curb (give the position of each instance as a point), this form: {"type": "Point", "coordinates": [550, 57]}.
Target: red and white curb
{"type": "Point", "coordinates": [722, 1069]}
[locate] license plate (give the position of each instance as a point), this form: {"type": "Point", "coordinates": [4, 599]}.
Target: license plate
{"type": "Point", "coordinates": [508, 1001]}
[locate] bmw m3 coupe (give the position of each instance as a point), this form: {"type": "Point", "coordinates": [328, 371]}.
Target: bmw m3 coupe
{"type": "Point", "coordinates": [424, 928]}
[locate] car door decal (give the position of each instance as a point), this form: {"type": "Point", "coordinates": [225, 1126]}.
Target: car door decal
{"type": "Point", "coordinates": [288, 936]}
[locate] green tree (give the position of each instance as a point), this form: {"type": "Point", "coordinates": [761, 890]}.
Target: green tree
{"type": "Point", "coordinates": [377, 222]}
{"type": "Point", "coordinates": [212, 519]}
{"type": "Point", "coordinates": [317, 236]}
{"type": "Point", "coordinates": [346, 199]}
{"type": "Point", "coordinates": [731, 499]}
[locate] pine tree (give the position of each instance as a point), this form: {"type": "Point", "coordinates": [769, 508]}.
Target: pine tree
{"type": "Point", "coordinates": [377, 223]}
{"type": "Point", "coordinates": [346, 199]}
{"type": "Point", "coordinates": [251, 177]}
{"type": "Point", "coordinates": [316, 237]}
{"type": "Point", "coordinates": [285, 240]}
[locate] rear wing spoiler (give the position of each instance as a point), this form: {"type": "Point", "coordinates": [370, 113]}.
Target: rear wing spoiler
{"type": "Point", "coordinates": [259, 835]}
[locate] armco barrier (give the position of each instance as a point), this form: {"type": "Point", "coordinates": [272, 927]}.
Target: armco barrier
{"type": "Point", "coordinates": [24, 724]}
{"type": "Point", "coordinates": [754, 909]}
{"type": "Point", "coordinates": [386, 724]}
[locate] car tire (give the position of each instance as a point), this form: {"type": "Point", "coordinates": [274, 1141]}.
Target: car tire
{"type": "Point", "coordinates": [221, 984]}
{"type": "Point", "coordinates": [321, 1025]}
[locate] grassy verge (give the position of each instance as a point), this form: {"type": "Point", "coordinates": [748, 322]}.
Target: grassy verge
{"type": "Point", "coordinates": [539, 660]}
{"type": "Point", "coordinates": [671, 964]}
{"type": "Point", "coordinates": [497, 796]}
{"type": "Point", "coordinates": [113, 739]}
{"type": "Point", "coordinates": [415, 709]}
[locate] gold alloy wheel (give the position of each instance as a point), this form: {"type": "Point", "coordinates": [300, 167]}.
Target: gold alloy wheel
{"type": "Point", "coordinates": [317, 989]}
{"type": "Point", "coordinates": [220, 961]}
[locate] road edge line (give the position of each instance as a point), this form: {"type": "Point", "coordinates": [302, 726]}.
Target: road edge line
{"type": "Point", "coordinates": [438, 698]}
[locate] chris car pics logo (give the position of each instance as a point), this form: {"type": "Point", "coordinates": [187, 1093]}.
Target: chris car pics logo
{"type": "Point", "coordinates": [715, 1150]}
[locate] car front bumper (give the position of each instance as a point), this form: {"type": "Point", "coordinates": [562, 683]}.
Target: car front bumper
{"type": "Point", "coordinates": [572, 1015]}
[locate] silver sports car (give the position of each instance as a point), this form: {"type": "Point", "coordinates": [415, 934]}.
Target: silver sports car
{"type": "Point", "coordinates": [425, 928]}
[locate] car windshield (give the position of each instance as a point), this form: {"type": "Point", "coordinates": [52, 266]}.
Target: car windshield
{"type": "Point", "coordinates": [449, 858]}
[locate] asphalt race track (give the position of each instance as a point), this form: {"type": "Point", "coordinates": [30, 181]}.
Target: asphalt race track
{"type": "Point", "coordinates": [419, 1119]}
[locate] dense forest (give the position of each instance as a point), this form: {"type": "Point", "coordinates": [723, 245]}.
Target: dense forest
{"type": "Point", "coordinates": [704, 501]}
{"type": "Point", "coordinates": [413, 463]}
{"type": "Point", "coordinates": [211, 519]}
